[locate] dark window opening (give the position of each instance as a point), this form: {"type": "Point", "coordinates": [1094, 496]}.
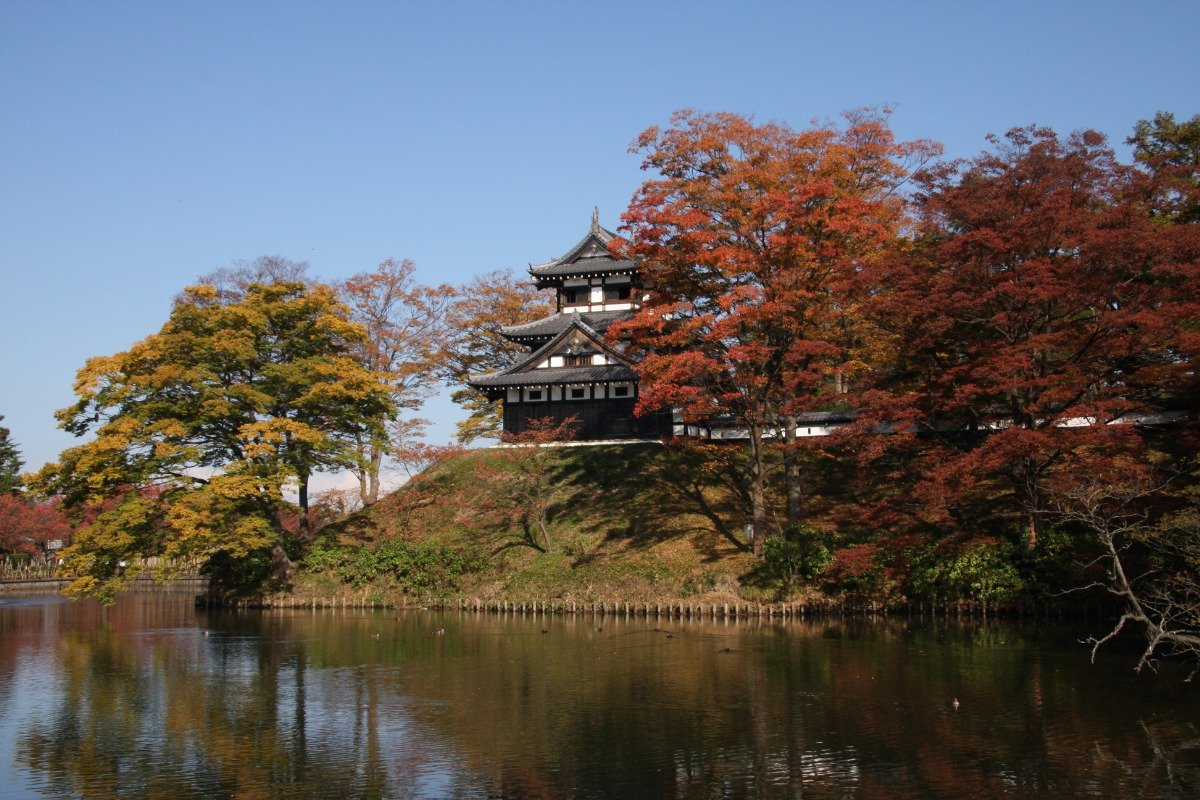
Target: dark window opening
{"type": "Point", "coordinates": [620, 391]}
{"type": "Point", "coordinates": [577, 394]}
{"type": "Point", "coordinates": [535, 394]}
{"type": "Point", "coordinates": [612, 293]}
{"type": "Point", "coordinates": [574, 297]}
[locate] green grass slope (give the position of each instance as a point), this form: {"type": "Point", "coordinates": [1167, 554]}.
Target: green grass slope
{"type": "Point", "coordinates": [630, 523]}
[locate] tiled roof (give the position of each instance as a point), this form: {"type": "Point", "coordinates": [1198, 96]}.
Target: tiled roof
{"type": "Point", "coordinates": [589, 256]}
{"type": "Point", "coordinates": [574, 321]}
{"type": "Point", "coordinates": [527, 373]}
{"type": "Point", "coordinates": [557, 375]}
{"type": "Point", "coordinates": [822, 417]}
{"type": "Point", "coordinates": [584, 266]}
{"type": "Point", "coordinates": [557, 323]}
{"type": "Point", "coordinates": [804, 418]}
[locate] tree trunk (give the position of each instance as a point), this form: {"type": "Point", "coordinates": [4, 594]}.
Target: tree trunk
{"type": "Point", "coordinates": [304, 521]}
{"type": "Point", "coordinates": [373, 475]}
{"type": "Point", "coordinates": [791, 472]}
{"type": "Point", "coordinates": [1032, 500]}
{"type": "Point", "coordinates": [362, 471]}
{"type": "Point", "coordinates": [364, 490]}
{"type": "Point", "coordinates": [282, 568]}
{"type": "Point", "coordinates": [758, 504]}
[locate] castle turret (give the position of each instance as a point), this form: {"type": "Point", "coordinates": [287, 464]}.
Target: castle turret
{"type": "Point", "coordinates": [571, 370]}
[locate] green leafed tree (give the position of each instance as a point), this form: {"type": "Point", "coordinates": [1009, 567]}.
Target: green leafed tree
{"type": "Point", "coordinates": [10, 462]}
{"type": "Point", "coordinates": [1171, 150]}
{"type": "Point", "coordinates": [199, 429]}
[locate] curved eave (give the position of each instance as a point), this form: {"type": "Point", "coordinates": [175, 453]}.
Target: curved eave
{"type": "Point", "coordinates": [546, 328]}
{"type": "Point", "coordinates": [565, 272]}
{"type": "Point", "coordinates": [556, 376]}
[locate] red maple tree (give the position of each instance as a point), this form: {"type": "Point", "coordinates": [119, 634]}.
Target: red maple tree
{"type": "Point", "coordinates": [26, 526]}
{"type": "Point", "coordinates": [1027, 315]}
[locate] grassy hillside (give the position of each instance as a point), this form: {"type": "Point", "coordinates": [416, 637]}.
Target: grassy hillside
{"type": "Point", "coordinates": [635, 523]}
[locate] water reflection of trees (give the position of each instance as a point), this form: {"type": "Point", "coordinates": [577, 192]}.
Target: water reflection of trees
{"type": "Point", "coordinates": [240, 712]}
{"type": "Point", "coordinates": [339, 705]}
{"type": "Point", "coordinates": [822, 711]}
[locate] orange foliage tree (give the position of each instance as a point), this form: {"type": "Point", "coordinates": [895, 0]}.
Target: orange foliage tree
{"type": "Point", "coordinates": [229, 402]}
{"type": "Point", "coordinates": [405, 323]}
{"type": "Point", "coordinates": [748, 240]}
{"type": "Point", "coordinates": [473, 345]}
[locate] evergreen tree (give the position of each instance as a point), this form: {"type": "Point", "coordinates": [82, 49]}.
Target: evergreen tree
{"type": "Point", "coordinates": [10, 462]}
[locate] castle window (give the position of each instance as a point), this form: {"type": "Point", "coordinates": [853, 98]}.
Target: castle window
{"type": "Point", "coordinates": [620, 391]}
{"type": "Point", "coordinates": [616, 293]}
{"type": "Point", "coordinates": [575, 297]}
{"type": "Point", "coordinates": [577, 360]}
{"type": "Point", "coordinates": [534, 394]}
{"type": "Point", "coordinates": [577, 394]}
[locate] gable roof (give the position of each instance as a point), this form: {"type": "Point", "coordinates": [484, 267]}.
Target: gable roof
{"type": "Point", "coordinates": [557, 323]}
{"type": "Point", "coordinates": [556, 376]}
{"type": "Point", "coordinates": [528, 372]}
{"type": "Point", "coordinates": [590, 256]}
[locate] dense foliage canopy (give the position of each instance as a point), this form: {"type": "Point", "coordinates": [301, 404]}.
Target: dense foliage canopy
{"type": "Point", "coordinates": [199, 428]}
{"type": "Point", "coordinates": [1002, 329]}
{"type": "Point", "coordinates": [749, 242]}
{"type": "Point", "coordinates": [1038, 293]}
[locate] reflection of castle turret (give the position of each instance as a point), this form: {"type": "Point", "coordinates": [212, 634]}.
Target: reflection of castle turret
{"type": "Point", "coordinates": [572, 371]}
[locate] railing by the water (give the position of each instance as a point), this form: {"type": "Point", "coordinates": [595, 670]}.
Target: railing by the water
{"type": "Point", "coordinates": [16, 569]}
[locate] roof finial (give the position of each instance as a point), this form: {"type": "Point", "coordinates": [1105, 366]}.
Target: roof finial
{"type": "Point", "coordinates": [595, 217]}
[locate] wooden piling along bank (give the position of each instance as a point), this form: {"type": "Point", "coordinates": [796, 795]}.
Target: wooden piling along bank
{"type": "Point", "coordinates": [680, 610]}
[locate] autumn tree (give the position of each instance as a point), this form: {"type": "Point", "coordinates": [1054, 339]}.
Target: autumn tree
{"type": "Point", "coordinates": [1170, 153]}
{"type": "Point", "coordinates": [472, 344]}
{"type": "Point", "coordinates": [26, 525]}
{"type": "Point", "coordinates": [232, 282]}
{"type": "Point", "coordinates": [406, 328]}
{"type": "Point", "coordinates": [199, 427]}
{"type": "Point", "coordinates": [411, 451]}
{"type": "Point", "coordinates": [747, 241]}
{"type": "Point", "coordinates": [1038, 284]}
{"type": "Point", "coordinates": [10, 462]}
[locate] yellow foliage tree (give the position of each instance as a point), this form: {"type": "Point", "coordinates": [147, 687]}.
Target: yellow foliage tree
{"type": "Point", "coordinates": [199, 427]}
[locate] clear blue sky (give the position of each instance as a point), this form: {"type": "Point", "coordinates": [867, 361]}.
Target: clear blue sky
{"type": "Point", "coordinates": [143, 144]}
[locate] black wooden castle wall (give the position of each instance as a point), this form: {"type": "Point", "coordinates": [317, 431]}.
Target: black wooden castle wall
{"type": "Point", "coordinates": [597, 419]}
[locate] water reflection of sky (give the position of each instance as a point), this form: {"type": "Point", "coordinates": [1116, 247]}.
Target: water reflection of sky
{"type": "Point", "coordinates": [346, 717]}
{"type": "Point", "coordinates": [23, 690]}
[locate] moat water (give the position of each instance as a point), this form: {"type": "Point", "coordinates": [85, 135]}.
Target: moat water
{"type": "Point", "coordinates": [152, 698]}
